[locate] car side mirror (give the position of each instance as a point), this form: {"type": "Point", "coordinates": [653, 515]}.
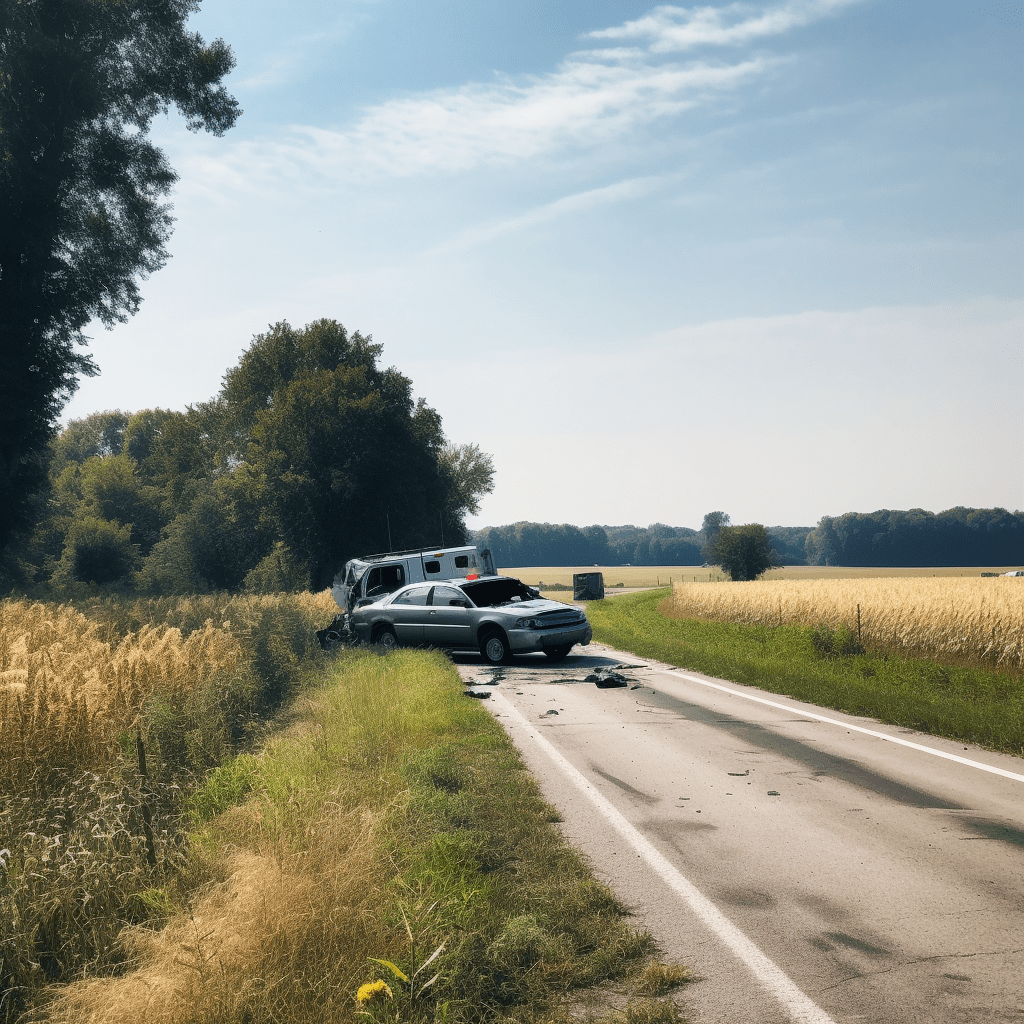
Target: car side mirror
{"type": "Point", "coordinates": [363, 601]}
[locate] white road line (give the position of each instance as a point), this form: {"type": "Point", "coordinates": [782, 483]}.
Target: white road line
{"type": "Point", "coordinates": [800, 1009]}
{"type": "Point", "coordinates": [853, 728]}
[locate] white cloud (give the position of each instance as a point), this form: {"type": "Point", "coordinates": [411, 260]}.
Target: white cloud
{"type": "Point", "coordinates": [592, 98]}
{"type": "Point", "coordinates": [620, 191]}
{"type": "Point", "coordinates": [671, 29]}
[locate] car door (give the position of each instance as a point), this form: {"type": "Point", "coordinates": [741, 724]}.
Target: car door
{"type": "Point", "coordinates": [449, 621]}
{"type": "Point", "coordinates": [407, 612]}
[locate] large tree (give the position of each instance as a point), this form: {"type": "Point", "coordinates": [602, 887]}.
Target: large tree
{"type": "Point", "coordinates": [82, 210]}
{"type": "Point", "coordinates": [338, 453]}
{"type": "Point", "coordinates": [744, 552]}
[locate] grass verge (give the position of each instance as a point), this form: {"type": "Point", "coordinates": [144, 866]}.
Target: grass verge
{"type": "Point", "coordinates": [387, 857]}
{"type": "Point", "coordinates": [826, 667]}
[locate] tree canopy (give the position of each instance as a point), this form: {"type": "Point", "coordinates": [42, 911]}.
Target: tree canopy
{"type": "Point", "coordinates": [744, 552]}
{"type": "Point", "coordinates": [312, 453]}
{"type": "Point", "coordinates": [82, 213]}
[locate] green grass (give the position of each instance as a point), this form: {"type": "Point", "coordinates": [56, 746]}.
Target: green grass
{"type": "Point", "coordinates": [824, 667]}
{"type": "Point", "coordinates": [388, 819]}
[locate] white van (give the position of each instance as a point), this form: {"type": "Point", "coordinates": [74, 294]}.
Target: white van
{"type": "Point", "coordinates": [374, 575]}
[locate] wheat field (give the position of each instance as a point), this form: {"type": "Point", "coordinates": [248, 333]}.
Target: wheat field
{"type": "Point", "coordinates": [108, 713]}
{"type": "Point", "coordinates": [973, 620]}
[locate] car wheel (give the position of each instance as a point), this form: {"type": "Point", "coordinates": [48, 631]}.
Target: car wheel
{"type": "Point", "coordinates": [559, 653]}
{"type": "Point", "coordinates": [495, 649]}
{"type": "Point", "coordinates": [386, 638]}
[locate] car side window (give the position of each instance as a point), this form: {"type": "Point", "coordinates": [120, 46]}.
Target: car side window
{"type": "Point", "coordinates": [414, 595]}
{"type": "Point", "coordinates": [445, 596]}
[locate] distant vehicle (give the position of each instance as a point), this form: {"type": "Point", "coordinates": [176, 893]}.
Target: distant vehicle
{"type": "Point", "coordinates": [498, 616]}
{"type": "Point", "coordinates": [1016, 572]}
{"type": "Point", "coordinates": [370, 577]}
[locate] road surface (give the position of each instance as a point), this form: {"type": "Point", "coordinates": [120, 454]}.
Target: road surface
{"type": "Point", "coordinates": [809, 866]}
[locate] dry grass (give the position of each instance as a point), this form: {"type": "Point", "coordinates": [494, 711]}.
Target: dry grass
{"type": "Point", "coordinates": [389, 800]}
{"type": "Point", "coordinates": [963, 620]}
{"type": "Point", "coordinates": [89, 697]}
{"type": "Point", "coordinates": [630, 576]}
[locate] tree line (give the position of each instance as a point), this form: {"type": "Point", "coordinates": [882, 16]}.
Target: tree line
{"type": "Point", "coordinates": [958, 536]}
{"type": "Point", "coordinates": [310, 454]}
{"type": "Point", "coordinates": [527, 543]}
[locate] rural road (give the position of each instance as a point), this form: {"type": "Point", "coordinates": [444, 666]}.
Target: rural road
{"type": "Point", "coordinates": [809, 866]}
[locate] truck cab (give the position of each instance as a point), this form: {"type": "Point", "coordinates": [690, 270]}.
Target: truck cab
{"type": "Point", "coordinates": [372, 576]}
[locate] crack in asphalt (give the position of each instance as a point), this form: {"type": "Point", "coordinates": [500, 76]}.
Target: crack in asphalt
{"type": "Point", "coordinates": [920, 960]}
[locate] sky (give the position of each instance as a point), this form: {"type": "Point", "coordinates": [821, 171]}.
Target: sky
{"type": "Point", "coordinates": [764, 257]}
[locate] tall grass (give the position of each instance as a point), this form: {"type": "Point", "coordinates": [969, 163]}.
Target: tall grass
{"type": "Point", "coordinates": [108, 714]}
{"type": "Point", "coordinates": [391, 819]}
{"type": "Point", "coordinates": [969, 620]}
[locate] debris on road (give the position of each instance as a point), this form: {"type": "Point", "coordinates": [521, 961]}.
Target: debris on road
{"type": "Point", "coordinates": [606, 678]}
{"type": "Point", "coordinates": [774, 792]}
{"type": "Point", "coordinates": [478, 694]}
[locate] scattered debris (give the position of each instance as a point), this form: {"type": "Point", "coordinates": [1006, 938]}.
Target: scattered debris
{"type": "Point", "coordinates": [740, 775]}
{"type": "Point", "coordinates": [550, 711]}
{"type": "Point", "coordinates": [636, 686]}
{"type": "Point", "coordinates": [479, 695]}
{"type": "Point", "coordinates": [606, 678]}
{"type": "Point", "coordinates": [774, 792]}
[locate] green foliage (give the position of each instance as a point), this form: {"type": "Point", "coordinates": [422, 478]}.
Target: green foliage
{"type": "Point", "coordinates": [83, 218]}
{"type": "Point", "coordinates": [335, 450]}
{"type": "Point", "coordinates": [226, 786]}
{"type": "Point", "coordinates": [957, 536]}
{"type": "Point", "coordinates": [279, 572]}
{"type": "Point", "coordinates": [744, 552]}
{"type": "Point", "coordinates": [97, 552]}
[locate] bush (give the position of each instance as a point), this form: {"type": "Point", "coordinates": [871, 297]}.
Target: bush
{"type": "Point", "coordinates": [98, 552]}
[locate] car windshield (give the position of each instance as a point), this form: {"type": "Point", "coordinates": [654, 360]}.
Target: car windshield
{"type": "Point", "coordinates": [488, 593]}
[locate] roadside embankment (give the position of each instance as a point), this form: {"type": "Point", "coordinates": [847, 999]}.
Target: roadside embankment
{"type": "Point", "coordinates": [385, 854]}
{"type": "Point", "coordinates": [825, 665]}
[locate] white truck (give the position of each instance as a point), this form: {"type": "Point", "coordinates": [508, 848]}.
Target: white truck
{"type": "Point", "coordinates": [371, 576]}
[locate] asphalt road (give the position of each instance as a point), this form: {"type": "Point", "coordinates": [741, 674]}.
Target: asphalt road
{"type": "Point", "coordinates": [808, 865]}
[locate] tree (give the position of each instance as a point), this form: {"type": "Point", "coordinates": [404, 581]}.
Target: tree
{"type": "Point", "coordinates": [744, 552]}
{"type": "Point", "coordinates": [336, 451]}
{"type": "Point", "coordinates": [713, 523]}
{"type": "Point", "coordinates": [82, 215]}
{"type": "Point", "coordinates": [471, 472]}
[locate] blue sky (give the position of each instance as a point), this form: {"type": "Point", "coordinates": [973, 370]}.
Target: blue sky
{"type": "Point", "coordinates": [657, 260]}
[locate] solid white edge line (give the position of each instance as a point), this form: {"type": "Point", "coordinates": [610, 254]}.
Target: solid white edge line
{"type": "Point", "coordinates": [801, 1009]}
{"type": "Point", "coordinates": [846, 725]}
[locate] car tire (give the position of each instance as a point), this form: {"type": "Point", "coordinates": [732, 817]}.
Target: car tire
{"type": "Point", "coordinates": [385, 637]}
{"type": "Point", "coordinates": [494, 647]}
{"type": "Point", "coordinates": [559, 653]}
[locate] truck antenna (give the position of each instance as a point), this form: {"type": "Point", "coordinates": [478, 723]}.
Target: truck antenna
{"type": "Point", "coordinates": [440, 519]}
{"type": "Point", "coordinates": [387, 516]}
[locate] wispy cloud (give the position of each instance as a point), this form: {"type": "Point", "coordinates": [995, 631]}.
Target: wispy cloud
{"type": "Point", "coordinates": [671, 29]}
{"type": "Point", "coordinates": [580, 202]}
{"type": "Point", "coordinates": [594, 97]}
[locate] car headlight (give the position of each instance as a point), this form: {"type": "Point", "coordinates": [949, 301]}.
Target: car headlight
{"type": "Point", "coordinates": [527, 624]}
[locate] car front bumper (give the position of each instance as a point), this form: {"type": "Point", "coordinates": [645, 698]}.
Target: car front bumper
{"type": "Point", "coordinates": [524, 640]}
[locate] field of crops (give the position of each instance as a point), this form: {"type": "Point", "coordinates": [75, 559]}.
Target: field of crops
{"type": "Point", "coordinates": [107, 711]}
{"type": "Point", "coordinates": [970, 620]}
{"type": "Point", "coordinates": [628, 576]}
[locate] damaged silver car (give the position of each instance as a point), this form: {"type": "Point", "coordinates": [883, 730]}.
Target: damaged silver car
{"type": "Point", "coordinates": [496, 615]}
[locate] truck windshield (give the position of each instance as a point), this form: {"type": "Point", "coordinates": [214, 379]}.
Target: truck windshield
{"type": "Point", "coordinates": [488, 593]}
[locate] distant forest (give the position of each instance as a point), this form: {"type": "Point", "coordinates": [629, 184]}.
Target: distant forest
{"type": "Point", "coordinates": [958, 536]}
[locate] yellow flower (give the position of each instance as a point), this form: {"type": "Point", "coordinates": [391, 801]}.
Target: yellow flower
{"type": "Point", "coordinates": [372, 991]}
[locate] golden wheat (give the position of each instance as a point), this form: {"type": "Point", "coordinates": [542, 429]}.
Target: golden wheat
{"type": "Point", "coordinates": [973, 620]}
